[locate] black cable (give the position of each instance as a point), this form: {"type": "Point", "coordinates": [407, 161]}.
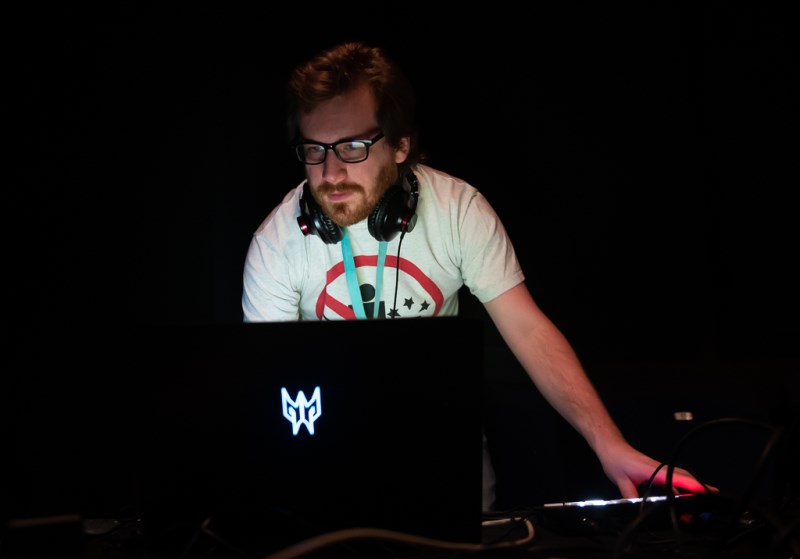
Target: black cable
{"type": "Point", "coordinates": [676, 453]}
{"type": "Point", "coordinates": [760, 467]}
{"type": "Point", "coordinates": [397, 273]}
{"type": "Point", "coordinates": [784, 536]}
{"type": "Point", "coordinates": [734, 504]}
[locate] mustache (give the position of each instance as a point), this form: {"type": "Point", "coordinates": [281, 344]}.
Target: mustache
{"type": "Point", "coordinates": [327, 187]}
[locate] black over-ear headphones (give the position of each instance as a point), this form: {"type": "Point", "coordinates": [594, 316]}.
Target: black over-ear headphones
{"type": "Point", "coordinates": [394, 213]}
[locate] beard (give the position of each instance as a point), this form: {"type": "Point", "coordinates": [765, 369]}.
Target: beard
{"type": "Point", "coordinates": [359, 206]}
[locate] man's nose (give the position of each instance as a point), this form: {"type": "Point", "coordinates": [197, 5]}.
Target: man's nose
{"type": "Point", "coordinates": [334, 170]}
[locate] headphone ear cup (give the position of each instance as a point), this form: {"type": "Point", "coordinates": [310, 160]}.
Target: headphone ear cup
{"type": "Point", "coordinates": [395, 211]}
{"type": "Point", "coordinates": [383, 221]}
{"type": "Point", "coordinates": [327, 230]}
{"type": "Point", "coordinates": [312, 220]}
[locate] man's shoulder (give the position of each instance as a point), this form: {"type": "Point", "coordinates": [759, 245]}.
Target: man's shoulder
{"type": "Point", "coordinates": [285, 212]}
{"type": "Point", "coordinates": [436, 176]}
{"type": "Point", "coordinates": [442, 184]}
{"type": "Point", "coordinates": [433, 173]}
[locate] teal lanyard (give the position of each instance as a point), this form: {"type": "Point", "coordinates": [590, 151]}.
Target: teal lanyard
{"type": "Point", "coordinates": [352, 278]}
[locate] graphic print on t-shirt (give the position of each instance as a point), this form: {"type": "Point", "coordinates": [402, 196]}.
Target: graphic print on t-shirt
{"type": "Point", "coordinates": [417, 295]}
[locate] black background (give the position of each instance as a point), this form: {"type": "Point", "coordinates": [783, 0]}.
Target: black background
{"type": "Point", "coordinates": [641, 155]}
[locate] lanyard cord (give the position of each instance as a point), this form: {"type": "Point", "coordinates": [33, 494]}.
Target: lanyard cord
{"type": "Point", "coordinates": [352, 278]}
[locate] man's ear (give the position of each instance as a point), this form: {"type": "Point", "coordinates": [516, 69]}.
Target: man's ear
{"type": "Point", "coordinates": [401, 153]}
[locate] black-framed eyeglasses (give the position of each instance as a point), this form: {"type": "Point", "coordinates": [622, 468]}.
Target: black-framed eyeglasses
{"type": "Point", "coordinates": [348, 151]}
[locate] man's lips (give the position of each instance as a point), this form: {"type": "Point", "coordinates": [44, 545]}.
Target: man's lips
{"type": "Point", "coordinates": [339, 195]}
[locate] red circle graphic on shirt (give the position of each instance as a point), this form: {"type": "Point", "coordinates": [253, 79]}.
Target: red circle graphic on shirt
{"type": "Point", "coordinates": [408, 268]}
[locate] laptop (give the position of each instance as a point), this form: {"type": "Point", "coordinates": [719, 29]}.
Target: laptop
{"type": "Point", "coordinates": [272, 433]}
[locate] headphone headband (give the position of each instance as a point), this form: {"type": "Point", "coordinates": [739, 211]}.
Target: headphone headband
{"type": "Point", "coordinates": [394, 213]}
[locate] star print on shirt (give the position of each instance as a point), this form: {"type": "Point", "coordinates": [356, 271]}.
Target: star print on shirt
{"type": "Point", "coordinates": [333, 299]}
{"type": "Point", "coordinates": [409, 303]}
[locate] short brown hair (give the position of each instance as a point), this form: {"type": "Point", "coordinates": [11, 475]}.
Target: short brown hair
{"type": "Point", "coordinates": [341, 69]}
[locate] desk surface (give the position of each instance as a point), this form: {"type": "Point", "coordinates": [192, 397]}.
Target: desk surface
{"type": "Point", "coordinates": [528, 533]}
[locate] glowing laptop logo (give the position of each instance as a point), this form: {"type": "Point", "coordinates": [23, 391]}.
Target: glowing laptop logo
{"type": "Point", "coordinates": [302, 411]}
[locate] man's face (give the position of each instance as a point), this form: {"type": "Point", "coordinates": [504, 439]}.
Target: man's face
{"type": "Point", "coordinates": [348, 192]}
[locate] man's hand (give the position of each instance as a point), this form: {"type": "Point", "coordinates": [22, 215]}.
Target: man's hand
{"type": "Point", "coordinates": [628, 468]}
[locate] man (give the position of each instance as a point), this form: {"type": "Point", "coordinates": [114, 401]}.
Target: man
{"type": "Point", "coordinates": [375, 233]}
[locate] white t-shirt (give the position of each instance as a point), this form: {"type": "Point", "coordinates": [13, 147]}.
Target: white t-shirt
{"type": "Point", "coordinates": [457, 240]}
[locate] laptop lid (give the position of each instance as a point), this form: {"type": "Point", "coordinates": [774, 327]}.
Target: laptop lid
{"type": "Point", "coordinates": [282, 431]}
